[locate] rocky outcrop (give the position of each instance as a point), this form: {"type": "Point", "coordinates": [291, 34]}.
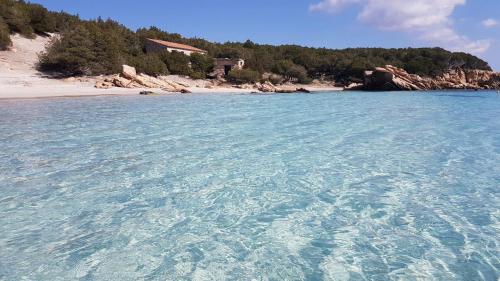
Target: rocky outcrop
{"type": "Point", "coordinates": [390, 78]}
{"type": "Point", "coordinates": [129, 78]}
{"type": "Point", "coordinates": [129, 72]}
{"type": "Point", "coordinates": [268, 87]}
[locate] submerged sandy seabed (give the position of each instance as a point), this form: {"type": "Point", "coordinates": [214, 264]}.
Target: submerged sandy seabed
{"type": "Point", "coordinates": [19, 79]}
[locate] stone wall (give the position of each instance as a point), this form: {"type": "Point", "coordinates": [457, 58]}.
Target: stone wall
{"type": "Point", "coordinates": [221, 64]}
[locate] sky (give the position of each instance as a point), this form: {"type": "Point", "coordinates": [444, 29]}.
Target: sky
{"type": "Point", "coordinates": [471, 26]}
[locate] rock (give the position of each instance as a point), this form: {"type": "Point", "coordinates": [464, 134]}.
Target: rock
{"type": "Point", "coordinates": [128, 72]}
{"type": "Point", "coordinates": [245, 86]}
{"type": "Point", "coordinates": [185, 91]}
{"type": "Point", "coordinates": [130, 79]}
{"type": "Point", "coordinates": [123, 82]}
{"type": "Point", "coordinates": [354, 86]}
{"type": "Point", "coordinates": [103, 85]}
{"type": "Point", "coordinates": [147, 93]}
{"type": "Point", "coordinates": [390, 78]}
{"type": "Point", "coordinates": [303, 90]}
{"type": "Point", "coordinates": [266, 87]}
{"type": "Point", "coordinates": [285, 89]}
{"type": "Point", "coordinates": [273, 78]}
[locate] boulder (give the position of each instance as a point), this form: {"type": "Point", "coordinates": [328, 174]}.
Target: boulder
{"type": "Point", "coordinates": [286, 89]}
{"type": "Point", "coordinates": [123, 82]}
{"type": "Point", "coordinates": [104, 85]}
{"type": "Point", "coordinates": [266, 87]}
{"type": "Point", "coordinates": [303, 90]}
{"type": "Point", "coordinates": [390, 78]}
{"type": "Point", "coordinates": [130, 79]}
{"type": "Point", "coordinates": [128, 72]}
{"type": "Point", "coordinates": [355, 86]}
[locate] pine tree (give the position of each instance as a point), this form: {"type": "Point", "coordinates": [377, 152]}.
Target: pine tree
{"type": "Point", "coordinates": [5, 42]}
{"type": "Point", "coordinates": [72, 54]}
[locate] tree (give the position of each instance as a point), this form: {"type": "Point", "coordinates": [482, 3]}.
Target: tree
{"type": "Point", "coordinates": [72, 54]}
{"type": "Point", "coordinates": [41, 20]}
{"type": "Point", "coordinates": [201, 65]}
{"type": "Point", "coordinates": [5, 42]}
{"type": "Point", "coordinates": [291, 71]}
{"type": "Point", "coordinates": [150, 64]}
{"type": "Point", "coordinates": [243, 76]}
{"type": "Point", "coordinates": [177, 62]}
{"type": "Point", "coordinates": [17, 17]}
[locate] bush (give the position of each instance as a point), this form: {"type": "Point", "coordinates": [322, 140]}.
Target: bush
{"type": "Point", "coordinates": [177, 62]}
{"type": "Point", "coordinates": [150, 64]}
{"type": "Point", "coordinates": [72, 54]}
{"type": "Point", "coordinates": [16, 15]}
{"type": "Point", "coordinates": [292, 71]}
{"type": "Point", "coordinates": [41, 20]}
{"type": "Point", "coordinates": [197, 75]}
{"type": "Point", "coordinates": [273, 78]}
{"type": "Point", "coordinates": [201, 64]}
{"type": "Point", "coordinates": [243, 76]}
{"type": "Point", "coordinates": [5, 41]}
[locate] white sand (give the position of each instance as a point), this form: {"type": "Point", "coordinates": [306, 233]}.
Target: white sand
{"type": "Point", "coordinates": [19, 78]}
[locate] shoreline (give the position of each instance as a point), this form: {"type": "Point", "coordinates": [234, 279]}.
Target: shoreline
{"type": "Point", "coordinates": [77, 90]}
{"type": "Point", "coordinates": [19, 78]}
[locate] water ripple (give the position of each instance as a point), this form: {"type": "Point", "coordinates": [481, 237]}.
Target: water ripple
{"type": "Point", "coordinates": [359, 186]}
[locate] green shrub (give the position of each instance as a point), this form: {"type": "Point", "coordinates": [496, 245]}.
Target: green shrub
{"type": "Point", "coordinates": [292, 71]}
{"type": "Point", "coordinates": [201, 64]}
{"type": "Point", "coordinates": [150, 64]}
{"type": "Point", "coordinates": [16, 15]}
{"type": "Point", "coordinates": [5, 41]}
{"type": "Point", "coordinates": [244, 76]}
{"type": "Point", "coordinates": [177, 62]}
{"type": "Point", "coordinates": [41, 20]}
{"type": "Point", "coordinates": [72, 54]}
{"type": "Point", "coordinates": [275, 79]}
{"type": "Point", "coordinates": [197, 75]}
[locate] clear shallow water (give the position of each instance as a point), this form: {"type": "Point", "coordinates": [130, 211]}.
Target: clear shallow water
{"type": "Point", "coordinates": [358, 186]}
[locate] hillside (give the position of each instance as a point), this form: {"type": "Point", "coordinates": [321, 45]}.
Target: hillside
{"type": "Point", "coordinates": [19, 77]}
{"type": "Point", "coordinates": [99, 46]}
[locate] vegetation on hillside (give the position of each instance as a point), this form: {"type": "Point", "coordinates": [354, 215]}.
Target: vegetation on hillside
{"type": "Point", "coordinates": [93, 47]}
{"type": "Point", "coordinates": [244, 76]}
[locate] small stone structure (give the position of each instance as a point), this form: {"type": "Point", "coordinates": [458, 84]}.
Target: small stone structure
{"type": "Point", "coordinates": [154, 46]}
{"type": "Point", "coordinates": [222, 66]}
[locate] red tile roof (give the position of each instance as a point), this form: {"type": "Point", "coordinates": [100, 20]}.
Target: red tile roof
{"type": "Point", "coordinates": [177, 46]}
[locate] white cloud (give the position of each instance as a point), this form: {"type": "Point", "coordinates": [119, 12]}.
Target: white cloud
{"type": "Point", "coordinates": [332, 5]}
{"type": "Point", "coordinates": [490, 23]}
{"type": "Point", "coordinates": [429, 20]}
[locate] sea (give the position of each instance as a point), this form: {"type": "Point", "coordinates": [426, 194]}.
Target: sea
{"type": "Point", "coordinates": [325, 186]}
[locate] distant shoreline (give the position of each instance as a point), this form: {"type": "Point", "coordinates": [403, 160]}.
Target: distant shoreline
{"type": "Point", "coordinates": [77, 90]}
{"type": "Point", "coordinates": [19, 78]}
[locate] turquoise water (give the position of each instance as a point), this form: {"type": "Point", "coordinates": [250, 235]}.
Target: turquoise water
{"type": "Point", "coordinates": [354, 186]}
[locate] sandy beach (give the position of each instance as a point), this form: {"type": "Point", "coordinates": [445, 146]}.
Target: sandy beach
{"type": "Point", "coordinates": [19, 78]}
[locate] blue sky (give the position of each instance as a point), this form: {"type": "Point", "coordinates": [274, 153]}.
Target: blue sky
{"type": "Point", "coordinates": [458, 25]}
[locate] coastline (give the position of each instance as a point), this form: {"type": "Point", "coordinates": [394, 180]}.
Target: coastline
{"type": "Point", "coordinates": [19, 78]}
{"type": "Point", "coordinates": [78, 89]}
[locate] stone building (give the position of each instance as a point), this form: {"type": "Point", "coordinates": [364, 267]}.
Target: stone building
{"type": "Point", "coordinates": [222, 66]}
{"type": "Point", "coordinates": [154, 45]}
